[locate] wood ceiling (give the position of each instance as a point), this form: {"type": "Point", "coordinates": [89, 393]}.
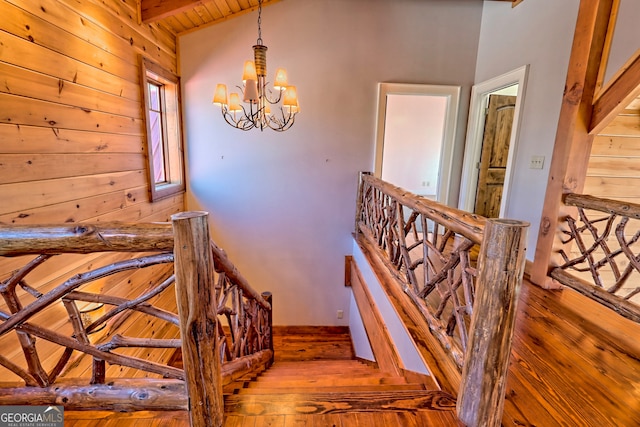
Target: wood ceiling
{"type": "Point", "coordinates": [181, 16]}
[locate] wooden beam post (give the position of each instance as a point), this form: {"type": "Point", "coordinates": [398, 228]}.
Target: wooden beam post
{"type": "Point", "coordinates": [573, 143]}
{"type": "Point", "coordinates": [500, 270]}
{"type": "Point", "coordinates": [195, 296]}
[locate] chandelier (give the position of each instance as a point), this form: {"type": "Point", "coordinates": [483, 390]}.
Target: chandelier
{"type": "Point", "coordinates": [256, 111]}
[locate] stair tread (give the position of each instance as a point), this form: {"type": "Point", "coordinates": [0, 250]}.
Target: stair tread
{"type": "Point", "coordinates": [340, 375]}
{"type": "Point", "coordinates": [331, 389]}
{"type": "Point", "coordinates": [329, 381]}
{"type": "Point", "coordinates": [324, 373]}
{"type": "Point", "coordinates": [338, 402]}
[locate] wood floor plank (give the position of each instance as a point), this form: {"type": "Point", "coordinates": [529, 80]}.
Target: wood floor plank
{"type": "Point", "coordinates": [269, 421]}
{"type": "Point", "coordinates": [568, 370]}
{"type": "Point", "coordinates": [249, 421]}
{"type": "Point", "coordinates": [298, 421]}
{"type": "Point", "coordinates": [326, 420]}
{"type": "Point", "coordinates": [233, 421]}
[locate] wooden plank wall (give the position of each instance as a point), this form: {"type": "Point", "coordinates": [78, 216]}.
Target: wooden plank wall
{"type": "Point", "coordinates": [614, 166]}
{"type": "Point", "coordinates": [71, 129]}
{"type": "Point", "coordinates": [614, 173]}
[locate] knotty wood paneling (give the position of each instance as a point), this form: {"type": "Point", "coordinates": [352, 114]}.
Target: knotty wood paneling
{"type": "Point", "coordinates": [614, 164]}
{"type": "Point", "coordinates": [179, 19]}
{"type": "Point", "coordinates": [72, 145]}
{"type": "Point", "coordinates": [614, 173]}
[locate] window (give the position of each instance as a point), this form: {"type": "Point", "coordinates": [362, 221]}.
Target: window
{"type": "Point", "coordinates": [164, 131]}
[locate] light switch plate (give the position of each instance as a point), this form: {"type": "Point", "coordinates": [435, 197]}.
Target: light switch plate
{"type": "Point", "coordinates": [537, 162]}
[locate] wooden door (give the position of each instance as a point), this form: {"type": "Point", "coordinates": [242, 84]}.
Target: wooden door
{"type": "Point", "coordinates": [495, 152]}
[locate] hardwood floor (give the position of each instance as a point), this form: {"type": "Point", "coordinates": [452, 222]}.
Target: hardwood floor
{"type": "Point", "coordinates": [574, 363]}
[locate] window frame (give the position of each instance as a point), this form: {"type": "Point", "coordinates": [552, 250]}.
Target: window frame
{"type": "Point", "coordinates": [171, 123]}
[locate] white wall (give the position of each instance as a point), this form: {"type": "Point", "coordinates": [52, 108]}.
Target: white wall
{"type": "Point", "coordinates": [413, 133]}
{"type": "Point", "coordinates": [405, 347]}
{"type": "Point", "coordinates": [538, 33]}
{"type": "Point", "coordinates": [282, 204]}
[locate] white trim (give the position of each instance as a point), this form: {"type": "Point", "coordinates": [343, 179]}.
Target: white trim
{"type": "Point", "coordinates": [452, 93]}
{"type": "Point", "coordinates": [475, 129]}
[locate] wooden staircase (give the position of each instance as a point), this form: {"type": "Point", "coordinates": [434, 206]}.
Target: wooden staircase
{"type": "Point", "coordinates": [336, 393]}
{"type": "Point", "coordinates": [315, 381]}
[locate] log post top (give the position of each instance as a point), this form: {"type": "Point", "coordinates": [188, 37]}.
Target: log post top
{"type": "Point", "coordinates": [509, 223]}
{"type": "Point", "coordinates": [85, 238]}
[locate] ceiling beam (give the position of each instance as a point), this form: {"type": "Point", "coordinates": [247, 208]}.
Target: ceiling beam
{"type": "Point", "coordinates": [155, 10]}
{"type": "Point", "coordinates": [617, 96]}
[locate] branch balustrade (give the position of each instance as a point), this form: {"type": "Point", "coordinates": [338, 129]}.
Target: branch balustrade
{"type": "Point", "coordinates": [601, 252]}
{"type": "Point", "coordinates": [194, 278]}
{"type": "Point", "coordinates": [462, 273]}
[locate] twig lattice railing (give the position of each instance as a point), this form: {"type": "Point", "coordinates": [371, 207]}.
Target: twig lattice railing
{"type": "Point", "coordinates": [462, 273]}
{"type": "Point", "coordinates": [48, 366]}
{"type": "Point", "coordinates": [434, 251]}
{"type": "Point", "coordinates": [604, 262]}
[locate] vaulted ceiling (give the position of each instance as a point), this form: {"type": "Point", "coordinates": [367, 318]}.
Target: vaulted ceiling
{"type": "Point", "coordinates": [180, 16]}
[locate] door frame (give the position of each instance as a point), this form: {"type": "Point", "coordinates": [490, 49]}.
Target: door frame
{"type": "Point", "coordinates": [452, 95]}
{"type": "Point", "coordinates": [475, 131]}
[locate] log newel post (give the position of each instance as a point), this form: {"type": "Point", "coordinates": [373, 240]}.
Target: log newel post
{"type": "Point", "coordinates": [269, 298]}
{"type": "Point", "coordinates": [195, 296]}
{"type": "Point", "coordinates": [500, 270]}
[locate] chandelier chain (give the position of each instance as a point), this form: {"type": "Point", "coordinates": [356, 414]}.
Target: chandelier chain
{"type": "Point", "coordinates": [259, 22]}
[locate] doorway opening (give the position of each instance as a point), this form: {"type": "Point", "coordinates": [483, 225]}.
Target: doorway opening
{"type": "Point", "coordinates": [491, 145]}
{"type": "Point", "coordinates": [415, 135]}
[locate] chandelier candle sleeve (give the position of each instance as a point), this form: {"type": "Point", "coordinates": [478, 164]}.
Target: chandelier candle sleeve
{"type": "Point", "coordinates": [234, 103]}
{"type": "Point", "coordinates": [280, 82]}
{"type": "Point", "coordinates": [250, 91]}
{"type": "Point", "coordinates": [220, 95]}
{"type": "Point", "coordinates": [249, 72]}
{"type": "Point", "coordinates": [262, 107]}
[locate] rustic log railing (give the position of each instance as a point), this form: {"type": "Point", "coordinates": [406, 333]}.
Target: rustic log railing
{"type": "Point", "coordinates": [213, 354]}
{"type": "Point", "coordinates": [604, 263]}
{"type": "Point", "coordinates": [461, 273]}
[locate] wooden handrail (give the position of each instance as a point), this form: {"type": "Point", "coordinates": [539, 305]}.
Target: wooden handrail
{"type": "Point", "coordinates": [465, 223]}
{"type": "Point", "coordinates": [85, 238]}
{"type": "Point", "coordinates": [224, 265]}
{"type": "Point", "coordinates": [602, 264]}
{"type": "Point", "coordinates": [458, 271]}
{"type": "Point", "coordinates": [209, 289]}
{"type": "Point", "coordinates": [585, 201]}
